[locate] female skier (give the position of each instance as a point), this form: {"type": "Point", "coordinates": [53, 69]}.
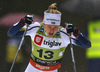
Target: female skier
{"type": "Point", "coordinates": [49, 40]}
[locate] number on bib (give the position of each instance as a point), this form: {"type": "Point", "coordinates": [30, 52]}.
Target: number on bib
{"type": "Point", "coordinates": [49, 56]}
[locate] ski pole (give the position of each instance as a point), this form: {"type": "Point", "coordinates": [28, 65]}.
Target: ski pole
{"type": "Point", "coordinates": [72, 53]}
{"type": "Point", "coordinates": [71, 47]}
{"type": "Point", "coordinates": [19, 48]}
{"type": "Point", "coordinates": [21, 43]}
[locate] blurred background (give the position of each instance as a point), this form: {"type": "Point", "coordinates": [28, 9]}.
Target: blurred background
{"type": "Point", "coordinates": [77, 12]}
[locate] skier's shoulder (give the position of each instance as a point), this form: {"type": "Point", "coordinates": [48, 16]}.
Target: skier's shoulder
{"type": "Point", "coordinates": [34, 25]}
{"type": "Point", "coordinates": [63, 32]}
{"type": "Point", "coordinates": [62, 29]}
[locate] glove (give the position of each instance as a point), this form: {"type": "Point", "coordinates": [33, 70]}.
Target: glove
{"type": "Point", "coordinates": [28, 19]}
{"type": "Point", "coordinates": [70, 28]}
{"type": "Point", "coordinates": [76, 32]}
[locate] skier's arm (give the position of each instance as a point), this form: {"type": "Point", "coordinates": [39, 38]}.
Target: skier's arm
{"type": "Point", "coordinates": [18, 28]}
{"type": "Point", "coordinates": [77, 38]}
{"type": "Point", "coordinates": [81, 41]}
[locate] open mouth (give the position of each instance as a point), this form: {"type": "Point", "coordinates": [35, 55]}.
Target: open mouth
{"type": "Point", "coordinates": [51, 34]}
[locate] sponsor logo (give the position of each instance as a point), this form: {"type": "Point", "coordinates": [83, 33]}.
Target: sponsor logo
{"type": "Point", "coordinates": [42, 67]}
{"type": "Point", "coordinates": [53, 19]}
{"type": "Point", "coordinates": [38, 39]}
{"type": "Point", "coordinates": [51, 44]}
{"type": "Point", "coordinates": [52, 22]}
{"type": "Point", "coordinates": [48, 63]}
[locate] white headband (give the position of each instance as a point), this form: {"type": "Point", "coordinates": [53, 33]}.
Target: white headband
{"type": "Point", "coordinates": [52, 19]}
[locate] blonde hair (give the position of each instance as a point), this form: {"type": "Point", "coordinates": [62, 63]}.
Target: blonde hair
{"type": "Point", "coordinates": [53, 9]}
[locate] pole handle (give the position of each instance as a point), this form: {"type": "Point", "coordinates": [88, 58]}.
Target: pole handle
{"type": "Point", "coordinates": [27, 25]}
{"type": "Point", "coordinates": [69, 34]}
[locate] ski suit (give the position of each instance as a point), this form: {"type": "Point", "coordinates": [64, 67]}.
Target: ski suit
{"type": "Point", "coordinates": [47, 52]}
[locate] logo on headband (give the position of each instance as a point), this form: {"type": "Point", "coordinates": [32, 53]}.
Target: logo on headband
{"type": "Point", "coordinates": [58, 19]}
{"type": "Point", "coordinates": [52, 19]}
{"type": "Point", "coordinates": [52, 22]}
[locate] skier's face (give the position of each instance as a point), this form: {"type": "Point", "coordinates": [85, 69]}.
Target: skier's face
{"type": "Point", "coordinates": [51, 29]}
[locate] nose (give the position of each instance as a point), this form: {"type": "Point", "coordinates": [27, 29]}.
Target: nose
{"type": "Point", "coordinates": [51, 30]}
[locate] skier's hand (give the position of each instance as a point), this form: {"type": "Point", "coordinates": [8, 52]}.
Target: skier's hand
{"type": "Point", "coordinates": [71, 29]}
{"type": "Point", "coordinates": [28, 19]}
{"type": "Point", "coordinates": [76, 32]}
